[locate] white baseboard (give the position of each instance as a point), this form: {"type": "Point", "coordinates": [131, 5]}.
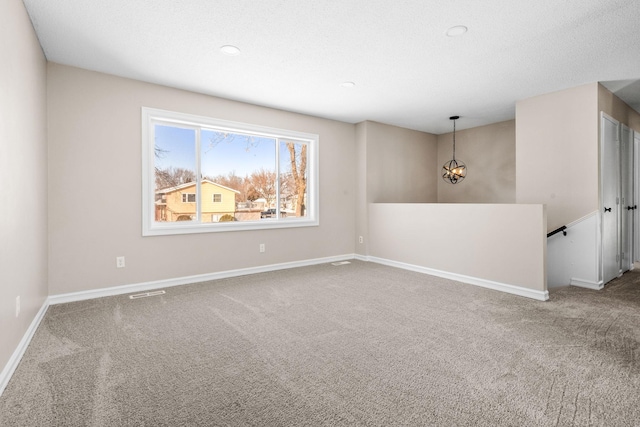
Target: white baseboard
{"type": "Point", "coordinates": [15, 358]}
{"type": "Point", "coordinates": [11, 366]}
{"type": "Point", "coordinates": [361, 257]}
{"type": "Point", "coordinates": [587, 284]}
{"type": "Point", "coordinates": [156, 284]}
{"type": "Point", "coordinates": [503, 287]}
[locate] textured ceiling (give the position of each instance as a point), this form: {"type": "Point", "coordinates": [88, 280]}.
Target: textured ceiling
{"type": "Point", "coordinates": [407, 72]}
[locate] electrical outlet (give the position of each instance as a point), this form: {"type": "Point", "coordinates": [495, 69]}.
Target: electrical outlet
{"type": "Point", "coordinates": [17, 305]}
{"type": "Point", "coordinates": [262, 248]}
{"type": "Point", "coordinates": [361, 239]}
{"type": "Point", "coordinates": [120, 262]}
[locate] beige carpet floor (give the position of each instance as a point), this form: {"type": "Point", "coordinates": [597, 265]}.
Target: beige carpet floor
{"type": "Point", "coordinates": [355, 345]}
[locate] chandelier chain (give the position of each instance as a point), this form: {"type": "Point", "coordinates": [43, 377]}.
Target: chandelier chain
{"type": "Point", "coordinates": [454, 139]}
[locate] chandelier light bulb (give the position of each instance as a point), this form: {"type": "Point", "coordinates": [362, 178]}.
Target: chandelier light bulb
{"type": "Point", "coordinates": [454, 170]}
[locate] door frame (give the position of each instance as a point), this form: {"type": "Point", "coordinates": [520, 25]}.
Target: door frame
{"type": "Point", "coordinates": [627, 197]}
{"type": "Point", "coordinates": [635, 138]}
{"type": "Point", "coordinates": [601, 241]}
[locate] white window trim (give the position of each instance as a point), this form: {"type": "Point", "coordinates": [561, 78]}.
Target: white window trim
{"type": "Point", "coordinates": [152, 228]}
{"type": "Point", "coordinates": [213, 197]}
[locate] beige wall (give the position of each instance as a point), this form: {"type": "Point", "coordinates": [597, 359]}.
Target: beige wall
{"type": "Point", "coordinates": [616, 108]}
{"type": "Point", "coordinates": [362, 207]}
{"type": "Point", "coordinates": [95, 149]}
{"type": "Point", "coordinates": [490, 155]}
{"type": "Point", "coordinates": [393, 165]}
{"type": "Point", "coordinates": [557, 153]}
{"type": "Point", "coordinates": [64, 235]}
{"type": "Point", "coordinates": [503, 243]}
{"type": "Point", "coordinates": [23, 175]}
{"type": "Point", "coordinates": [400, 165]}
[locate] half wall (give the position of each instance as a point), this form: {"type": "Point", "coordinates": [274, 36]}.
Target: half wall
{"type": "Point", "coordinates": [499, 246]}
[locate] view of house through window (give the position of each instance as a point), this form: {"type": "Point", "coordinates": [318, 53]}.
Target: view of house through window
{"type": "Point", "coordinates": [244, 177]}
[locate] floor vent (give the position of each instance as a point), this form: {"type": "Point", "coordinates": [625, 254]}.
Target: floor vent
{"type": "Point", "coordinates": [147, 294]}
{"type": "Point", "coordinates": [340, 263]}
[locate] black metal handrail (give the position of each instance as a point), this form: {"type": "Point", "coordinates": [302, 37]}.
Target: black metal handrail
{"type": "Point", "coordinates": [557, 230]}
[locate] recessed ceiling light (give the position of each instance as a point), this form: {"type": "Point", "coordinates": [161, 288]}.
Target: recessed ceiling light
{"type": "Point", "coordinates": [347, 84]}
{"type": "Point", "coordinates": [230, 50]}
{"type": "Point", "coordinates": [458, 30]}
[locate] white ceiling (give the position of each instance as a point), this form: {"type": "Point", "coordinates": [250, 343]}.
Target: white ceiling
{"type": "Point", "coordinates": [407, 71]}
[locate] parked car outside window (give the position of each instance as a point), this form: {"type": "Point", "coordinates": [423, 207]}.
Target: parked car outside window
{"type": "Point", "coordinates": [271, 213]}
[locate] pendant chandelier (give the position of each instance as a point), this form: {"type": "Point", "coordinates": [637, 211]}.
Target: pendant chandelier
{"type": "Point", "coordinates": [454, 170]}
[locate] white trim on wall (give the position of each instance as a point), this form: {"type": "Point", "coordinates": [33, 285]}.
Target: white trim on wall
{"type": "Point", "coordinates": [156, 284]}
{"type": "Point", "coordinates": [9, 369]}
{"type": "Point", "coordinates": [503, 287]}
{"type": "Point", "coordinates": [186, 280]}
{"type": "Point", "coordinates": [587, 284]}
{"type": "Point", "coordinates": [575, 255]}
{"type": "Point", "coordinates": [151, 117]}
{"type": "Point", "coordinates": [636, 195]}
{"type": "Point", "coordinates": [497, 286]}
{"type": "Point", "coordinates": [15, 358]}
{"type": "Point", "coordinates": [601, 192]}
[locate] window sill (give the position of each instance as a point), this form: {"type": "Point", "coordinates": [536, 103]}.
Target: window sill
{"type": "Point", "coordinates": [160, 229]}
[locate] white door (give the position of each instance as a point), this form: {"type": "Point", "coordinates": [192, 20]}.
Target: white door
{"type": "Point", "coordinates": [627, 204]}
{"type": "Point", "coordinates": [636, 195]}
{"type": "Point", "coordinates": [610, 175]}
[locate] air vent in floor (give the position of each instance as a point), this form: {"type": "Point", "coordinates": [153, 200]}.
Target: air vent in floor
{"type": "Point", "coordinates": [340, 263]}
{"type": "Point", "coordinates": [147, 294]}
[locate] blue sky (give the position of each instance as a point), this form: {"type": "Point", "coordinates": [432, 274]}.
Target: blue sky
{"type": "Point", "coordinates": [220, 154]}
{"type": "Point", "coordinates": [240, 153]}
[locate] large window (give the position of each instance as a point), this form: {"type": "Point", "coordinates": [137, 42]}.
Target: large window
{"type": "Point", "coordinates": [202, 175]}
